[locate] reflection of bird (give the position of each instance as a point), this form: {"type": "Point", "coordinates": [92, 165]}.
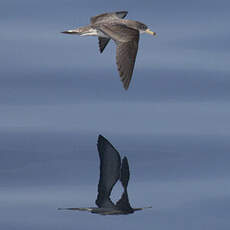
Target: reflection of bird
{"type": "Point", "coordinates": [125, 33]}
{"type": "Point", "coordinates": [111, 169]}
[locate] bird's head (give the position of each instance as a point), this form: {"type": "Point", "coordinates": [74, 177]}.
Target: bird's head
{"type": "Point", "coordinates": [144, 29]}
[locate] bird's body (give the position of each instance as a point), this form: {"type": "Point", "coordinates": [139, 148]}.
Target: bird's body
{"type": "Point", "coordinates": [111, 170]}
{"type": "Point", "coordinates": [124, 32]}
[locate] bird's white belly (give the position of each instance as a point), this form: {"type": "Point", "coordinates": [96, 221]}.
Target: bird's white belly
{"type": "Point", "coordinates": [94, 32]}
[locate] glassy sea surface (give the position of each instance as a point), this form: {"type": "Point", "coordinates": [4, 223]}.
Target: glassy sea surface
{"type": "Point", "coordinates": [58, 93]}
{"type": "Point", "coordinates": [185, 178]}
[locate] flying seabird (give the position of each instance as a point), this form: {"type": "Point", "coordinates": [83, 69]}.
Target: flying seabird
{"type": "Point", "coordinates": [124, 32]}
{"type": "Point", "coordinates": [111, 170]}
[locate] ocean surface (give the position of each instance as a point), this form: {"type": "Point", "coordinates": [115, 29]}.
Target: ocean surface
{"type": "Point", "coordinates": [185, 178]}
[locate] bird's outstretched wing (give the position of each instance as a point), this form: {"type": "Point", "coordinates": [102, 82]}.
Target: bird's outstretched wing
{"type": "Point", "coordinates": [125, 58]}
{"type": "Point", "coordinates": [108, 16]}
{"type": "Point", "coordinates": [127, 45]}
{"type": "Point", "coordinates": [103, 43]}
{"type": "Point", "coordinates": [123, 203]}
{"type": "Point", "coordinates": [110, 163]}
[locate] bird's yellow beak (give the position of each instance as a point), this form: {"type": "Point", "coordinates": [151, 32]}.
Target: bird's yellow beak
{"type": "Point", "coordinates": [148, 31]}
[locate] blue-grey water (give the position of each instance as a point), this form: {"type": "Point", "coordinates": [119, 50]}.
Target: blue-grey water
{"type": "Point", "coordinates": [185, 178]}
{"type": "Point", "coordinates": [58, 93]}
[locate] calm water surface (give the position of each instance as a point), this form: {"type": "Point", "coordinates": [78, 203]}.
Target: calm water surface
{"type": "Point", "coordinates": [185, 178]}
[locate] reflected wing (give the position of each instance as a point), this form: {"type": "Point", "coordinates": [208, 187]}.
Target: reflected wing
{"type": "Point", "coordinates": [123, 203]}
{"type": "Point", "coordinates": [124, 177]}
{"type": "Point", "coordinates": [110, 163]}
{"type": "Point", "coordinates": [127, 45]}
{"type": "Point", "coordinates": [108, 16]}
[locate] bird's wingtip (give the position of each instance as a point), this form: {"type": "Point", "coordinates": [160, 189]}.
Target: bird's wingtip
{"type": "Point", "coordinates": [100, 139]}
{"type": "Point", "coordinates": [125, 158]}
{"type": "Point", "coordinates": [125, 85]}
{"type": "Point", "coordinates": [123, 12]}
{"type": "Point", "coordinates": [100, 136]}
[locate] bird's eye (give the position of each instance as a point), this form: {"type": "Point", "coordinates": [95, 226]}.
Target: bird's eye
{"type": "Point", "coordinates": [144, 27]}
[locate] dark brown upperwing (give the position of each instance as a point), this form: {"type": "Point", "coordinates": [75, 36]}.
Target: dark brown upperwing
{"type": "Point", "coordinates": [127, 45]}
{"type": "Point", "coordinates": [108, 16]}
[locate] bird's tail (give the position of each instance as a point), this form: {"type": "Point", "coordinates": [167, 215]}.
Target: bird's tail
{"type": "Point", "coordinates": [79, 31]}
{"type": "Point", "coordinates": [76, 209]}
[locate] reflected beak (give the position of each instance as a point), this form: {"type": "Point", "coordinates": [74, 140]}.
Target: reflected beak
{"type": "Point", "coordinates": [148, 31]}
